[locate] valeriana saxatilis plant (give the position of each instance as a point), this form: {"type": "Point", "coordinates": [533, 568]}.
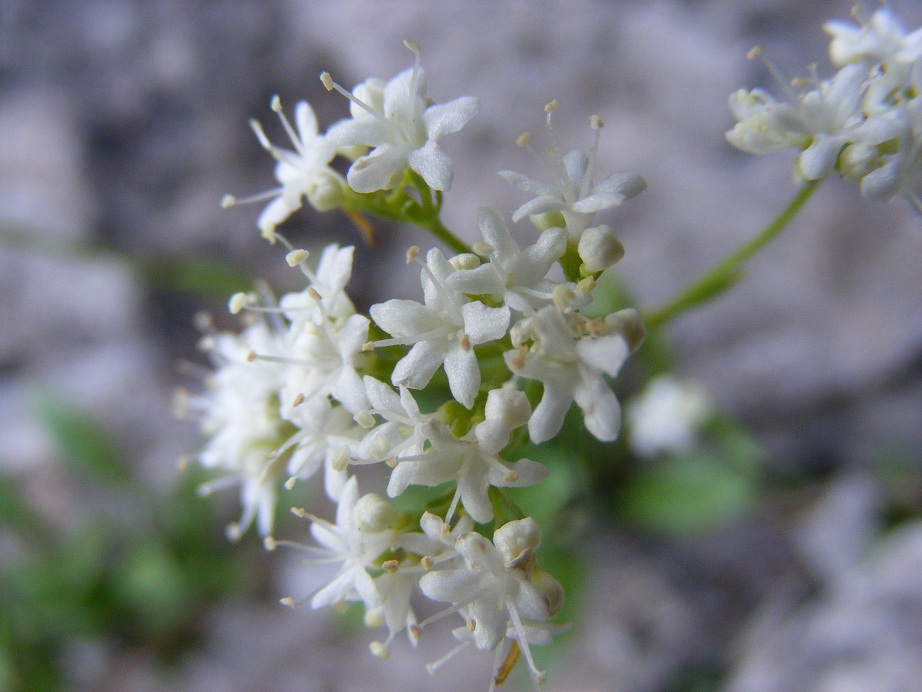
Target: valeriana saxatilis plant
{"type": "Point", "coordinates": [508, 344]}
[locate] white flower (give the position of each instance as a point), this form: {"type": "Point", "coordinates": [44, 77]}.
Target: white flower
{"type": "Point", "coordinates": [499, 586]}
{"type": "Point", "coordinates": [571, 369]}
{"type": "Point", "coordinates": [347, 543]}
{"type": "Point", "coordinates": [443, 330]}
{"type": "Point", "coordinates": [329, 280]}
{"type": "Point", "coordinates": [326, 433]}
{"type": "Point", "coordinates": [323, 363]}
{"type": "Point", "coordinates": [883, 39]}
{"type": "Point", "coordinates": [401, 433]}
{"type": "Point", "coordinates": [573, 194]}
{"type": "Point", "coordinates": [517, 277]}
{"type": "Point", "coordinates": [473, 466]}
{"type": "Point", "coordinates": [667, 416]}
{"type": "Point", "coordinates": [303, 172]}
{"type": "Point", "coordinates": [821, 123]}
{"type": "Point", "coordinates": [239, 412]}
{"type": "Point", "coordinates": [403, 130]}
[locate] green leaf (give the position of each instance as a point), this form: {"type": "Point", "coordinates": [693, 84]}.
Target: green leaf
{"type": "Point", "coordinates": [82, 441]}
{"type": "Point", "coordinates": [686, 495]}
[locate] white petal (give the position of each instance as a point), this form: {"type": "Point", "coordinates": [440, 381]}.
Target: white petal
{"type": "Point", "coordinates": [417, 367]}
{"type": "Point", "coordinates": [463, 375]}
{"type": "Point", "coordinates": [433, 164]}
{"type": "Point", "coordinates": [450, 117]}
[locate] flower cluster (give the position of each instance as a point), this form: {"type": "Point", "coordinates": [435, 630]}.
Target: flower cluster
{"type": "Point", "coordinates": [313, 387]}
{"type": "Point", "coordinates": [865, 122]}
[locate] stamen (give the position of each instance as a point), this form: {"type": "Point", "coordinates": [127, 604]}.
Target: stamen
{"type": "Point", "coordinates": [435, 665]}
{"type": "Point", "coordinates": [331, 86]}
{"type": "Point", "coordinates": [276, 106]}
{"type": "Point", "coordinates": [537, 675]}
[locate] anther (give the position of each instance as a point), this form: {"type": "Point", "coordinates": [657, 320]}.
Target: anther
{"type": "Point", "coordinates": [298, 512]}
{"type": "Point", "coordinates": [298, 399]}
{"type": "Point", "coordinates": [228, 201]}
{"type": "Point", "coordinates": [364, 419]}
{"type": "Point", "coordinates": [379, 650]}
{"type": "Point", "coordinates": [276, 103]}
{"type": "Point", "coordinates": [411, 46]}
{"type": "Point", "coordinates": [754, 53]}
{"type": "Point", "coordinates": [251, 356]}
{"type": "Point", "coordinates": [512, 477]}
{"type": "Point", "coordinates": [287, 601]}
{"type": "Point", "coordinates": [327, 80]}
{"type": "Point", "coordinates": [290, 483]}
{"type": "Point", "coordinates": [465, 342]}
{"type": "Point", "coordinates": [295, 257]}
{"type": "Point", "coordinates": [550, 106]}
{"type": "Point", "coordinates": [412, 253]}
{"type": "Point", "coordinates": [390, 565]}
{"type": "Point", "coordinates": [523, 139]}
{"type": "Point", "coordinates": [312, 292]}
{"type": "Point", "coordinates": [340, 459]}
{"type": "Point", "coordinates": [392, 462]}
{"type": "Point", "coordinates": [596, 123]}
{"type": "Point", "coordinates": [368, 346]}
{"type": "Point", "coordinates": [426, 562]}
{"type": "Point", "coordinates": [269, 543]}
{"type": "Point", "coordinates": [238, 302]}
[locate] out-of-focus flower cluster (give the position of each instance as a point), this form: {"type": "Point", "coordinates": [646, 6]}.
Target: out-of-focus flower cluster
{"type": "Point", "coordinates": [865, 122]}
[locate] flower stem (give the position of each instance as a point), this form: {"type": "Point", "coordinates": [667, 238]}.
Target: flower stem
{"type": "Point", "coordinates": [726, 274]}
{"type": "Point", "coordinates": [435, 226]}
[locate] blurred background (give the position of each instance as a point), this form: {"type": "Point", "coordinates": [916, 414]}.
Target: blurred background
{"type": "Point", "coordinates": [122, 124]}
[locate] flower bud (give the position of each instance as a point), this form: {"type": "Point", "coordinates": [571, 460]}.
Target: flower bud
{"type": "Point", "coordinates": [517, 542]}
{"type": "Point", "coordinates": [629, 323]}
{"type": "Point", "coordinates": [373, 514]}
{"type": "Point", "coordinates": [326, 192]}
{"type": "Point", "coordinates": [599, 248]}
{"type": "Point", "coordinates": [550, 589]}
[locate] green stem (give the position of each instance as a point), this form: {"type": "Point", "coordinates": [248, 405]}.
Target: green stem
{"type": "Point", "coordinates": [435, 226]}
{"type": "Point", "coordinates": [727, 273]}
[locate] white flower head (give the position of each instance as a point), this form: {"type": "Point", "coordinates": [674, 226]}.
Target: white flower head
{"type": "Point", "coordinates": [328, 281]}
{"type": "Point", "coordinates": [882, 39]}
{"type": "Point", "coordinates": [499, 587]}
{"type": "Point", "coordinates": [443, 330]}
{"type": "Point", "coordinates": [473, 466]}
{"type": "Point", "coordinates": [517, 277]}
{"type": "Point", "coordinates": [401, 434]}
{"type": "Point", "coordinates": [304, 172]}
{"type": "Point", "coordinates": [574, 194]}
{"type": "Point", "coordinates": [571, 356]}
{"type": "Point", "coordinates": [325, 437]}
{"type": "Point", "coordinates": [667, 416]}
{"type": "Point", "coordinates": [239, 411]}
{"type": "Point", "coordinates": [820, 123]}
{"type": "Point", "coordinates": [354, 547]}
{"type": "Point", "coordinates": [403, 130]}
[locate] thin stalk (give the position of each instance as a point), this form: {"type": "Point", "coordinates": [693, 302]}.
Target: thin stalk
{"type": "Point", "coordinates": [727, 273]}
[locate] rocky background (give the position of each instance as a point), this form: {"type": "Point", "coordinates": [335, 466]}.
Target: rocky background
{"type": "Point", "coordinates": [123, 122]}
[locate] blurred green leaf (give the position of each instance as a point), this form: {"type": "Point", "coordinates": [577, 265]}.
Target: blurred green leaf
{"type": "Point", "coordinates": [82, 440]}
{"type": "Point", "coordinates": [196, 275]}
{"type": "Point", "coordinates": [686, 495]}
{"type": "Point", "coordinates": [15, 512]}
